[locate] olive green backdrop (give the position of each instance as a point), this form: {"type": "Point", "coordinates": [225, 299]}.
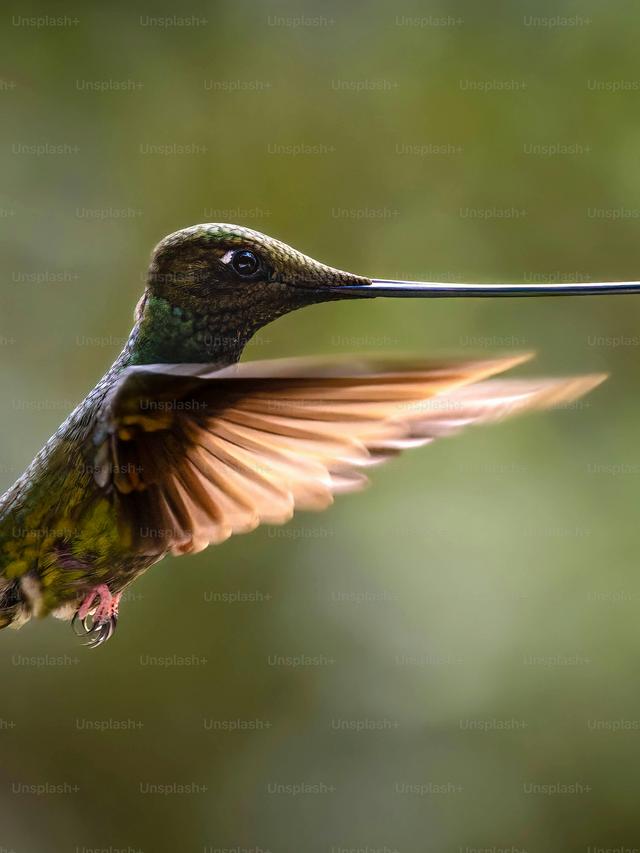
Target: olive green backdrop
{"type": "Point", "coordinates": [449, 661]}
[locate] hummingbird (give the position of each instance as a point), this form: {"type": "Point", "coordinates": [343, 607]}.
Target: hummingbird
{"type": "Point", "coordinates": [180, 446]}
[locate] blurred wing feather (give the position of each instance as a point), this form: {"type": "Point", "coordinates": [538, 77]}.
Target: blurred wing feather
{"type": "Point", "coordinates": [192, 455]}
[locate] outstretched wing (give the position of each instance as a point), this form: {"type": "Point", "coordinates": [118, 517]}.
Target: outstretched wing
{"type": "Point", "coordinates": [192, 455]}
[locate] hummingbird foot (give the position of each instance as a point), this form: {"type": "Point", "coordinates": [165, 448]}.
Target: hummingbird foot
{"type": "Point", "coordinates": [97, 616]}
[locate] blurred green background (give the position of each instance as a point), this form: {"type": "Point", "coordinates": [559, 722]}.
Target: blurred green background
{"type": "Point", "coordinates": [464, 635]}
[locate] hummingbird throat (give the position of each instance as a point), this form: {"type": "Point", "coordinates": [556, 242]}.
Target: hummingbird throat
{"type": "Point", "coordinates": [169, 334]}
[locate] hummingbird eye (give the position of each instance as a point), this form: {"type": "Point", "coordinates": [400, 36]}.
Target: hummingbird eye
{"type": "Point", "coordinates": [245, 263]}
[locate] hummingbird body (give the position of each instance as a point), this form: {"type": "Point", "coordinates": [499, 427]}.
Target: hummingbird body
{"type": "Point", "coordinates": [178, 447]}
{"type": "Point", "coordinates": [58, 533]}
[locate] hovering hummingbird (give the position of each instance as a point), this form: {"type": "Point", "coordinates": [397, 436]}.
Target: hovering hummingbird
{"type": "Point", "coordinates": [178, 446]}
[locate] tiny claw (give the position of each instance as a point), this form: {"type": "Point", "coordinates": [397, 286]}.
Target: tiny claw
{"type": "Point", "coordinates": [77, 625]}
{"type": "Point", "coordinates": [96, 624]}
{"type": "Point", "coordinates": [93, 638]}
{"type": "Point", "coordinates": [101, 632]}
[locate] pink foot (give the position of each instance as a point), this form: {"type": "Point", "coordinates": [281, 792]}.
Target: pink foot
{"type": "Point", "coordinates": [97, 619]}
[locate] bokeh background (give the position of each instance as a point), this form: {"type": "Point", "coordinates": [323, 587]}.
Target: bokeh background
{"type": "Point", "coordinates": [449, 661]}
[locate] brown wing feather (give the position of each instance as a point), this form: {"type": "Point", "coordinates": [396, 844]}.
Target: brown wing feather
{"type": "Point", "coordinates": [193, 456]}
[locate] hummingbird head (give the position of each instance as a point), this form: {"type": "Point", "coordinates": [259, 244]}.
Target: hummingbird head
{"type": "Point", "coordinates": [218, 266]}
{"type": "Point", "coordinates": [211, 286]}
{"type": "Point", "coordinates": [219, 283]}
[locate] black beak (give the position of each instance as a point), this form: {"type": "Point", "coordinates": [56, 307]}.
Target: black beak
{"type": "Point", "coordinates": [387, 287]}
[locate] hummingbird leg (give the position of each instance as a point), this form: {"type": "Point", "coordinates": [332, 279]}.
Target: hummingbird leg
{"type": "Point", "coordinates": [97, 616]}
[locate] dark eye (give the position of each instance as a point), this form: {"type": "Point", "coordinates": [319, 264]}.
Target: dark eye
{"type": "Point", "coordinates": [245, 263]}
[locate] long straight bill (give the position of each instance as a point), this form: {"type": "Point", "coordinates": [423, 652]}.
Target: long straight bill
{"type": "Point", "coordinates": [388, 287]}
